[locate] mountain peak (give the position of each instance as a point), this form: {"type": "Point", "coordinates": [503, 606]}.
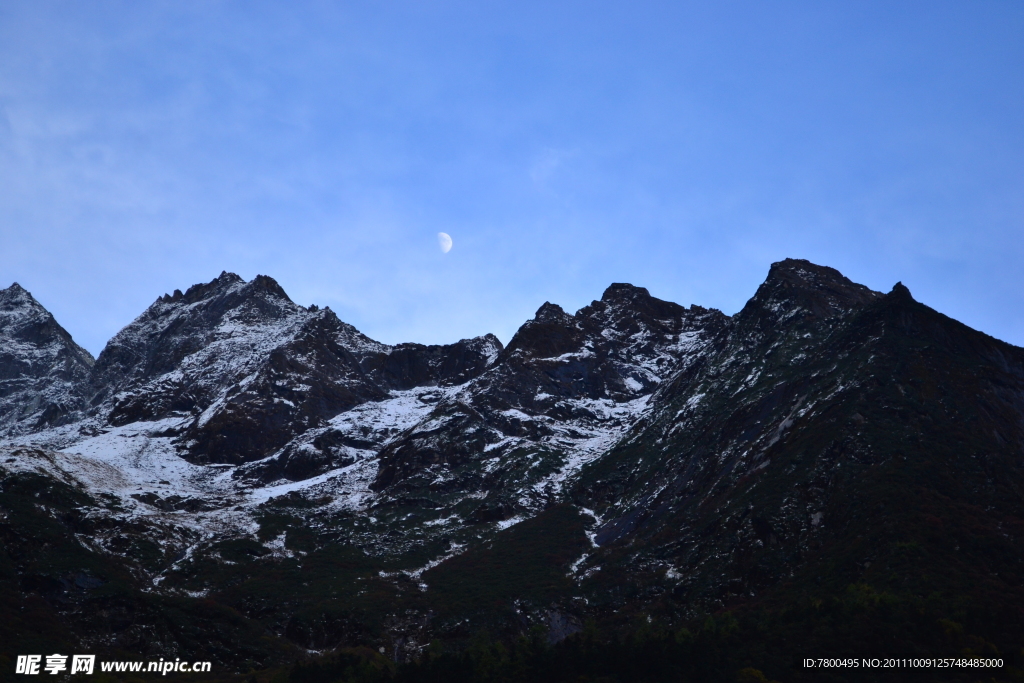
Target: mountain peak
{"type": "Point", "coordinates": [269, 285]}
{"type": "Point", "coordinates": [795, 285]}
{"type": "Point", "coordinates": [803, 271]}
{"type": "Point", "coordinates": [219, 284]}
{"type": "Point", "coordinates": [18, 308]}
{"type": "Point", "coordinates": [550, 313]}
{"type": "Point", "coordinates": [24, 320]}
{"type": "Point", "coordinates": [178, 325]}
{"type": "Point", "coordinates": [42, 367]}
{"type": "Point", "coordinates": [551, 332]}
{"type": "Point", "coordinates": [619, 291]}
{"type": "Point", "coordinates": [16, 294]}
{"type": "Point", "coordinates": [900, 291]}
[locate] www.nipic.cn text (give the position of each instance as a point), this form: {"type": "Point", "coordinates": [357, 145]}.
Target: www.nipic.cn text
{"type": "Point", "coordinates": [86, 664]}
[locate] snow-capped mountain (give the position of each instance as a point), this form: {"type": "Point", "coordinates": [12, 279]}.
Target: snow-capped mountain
{"type": "Point", "coordinates": [247, 369]}
{"type": "Point", "coordinates": [563, 391]}
{"type": "Point", "coordinates": [293, 401]}
{"type": "Point", "coordinates": [634, 459]}
{"type": "Point", "coordinates": [43, 372]}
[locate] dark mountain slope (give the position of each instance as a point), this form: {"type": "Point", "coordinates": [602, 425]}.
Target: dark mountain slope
{"type": "Point", "coordinates": [42, 370]}
{"type": "Point", "coordinates": [415, 365]}
{"type": "Point", "coordinates": [878, 445]}
{"type": "Point", "coordinates": [62, 591]}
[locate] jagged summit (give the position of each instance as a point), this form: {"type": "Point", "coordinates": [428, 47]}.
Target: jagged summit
{"type": "Point", "coordinates": [900, 291]}
{"type": "Point", "coordinates": [175, 327]}
{"type": "Point", "coordinates": [250, 369]}
{"type": "Point", "coordinates": [565, 383]}
{"type": "Point", "coordinates": [799, 291]}
{"type": "Point", "coordinates": [551, 332]}
{"type": "Point", "coordinates": [15, 301]}
{"type": "Point", "coordinates": [203, 290]}
{"type": "Point", "coordinates": [821, 291]}
{"type": "Point", "coordinates": [623, 291]}
{"type": "Point", "coordinates": [549, 312]}
{"type": "Point", "coordinates": [43, 372]}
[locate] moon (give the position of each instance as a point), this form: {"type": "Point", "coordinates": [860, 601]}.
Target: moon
{"type": "Point", "coordinates": [444, 241]}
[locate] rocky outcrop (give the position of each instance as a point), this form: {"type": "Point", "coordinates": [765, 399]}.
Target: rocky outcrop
{"type": "Point", "coordinates": [564, 384]}
{"type": "Point", "coordinates": [821, 423]}
{"type": "Point", "coordinates": [413, 365]}
{"type": "Point", "coordinates": [43, 372]}
{"type": "Point", "coordinates": [799, 292]}
{"type": "Point", "coordinates": [248, 369]}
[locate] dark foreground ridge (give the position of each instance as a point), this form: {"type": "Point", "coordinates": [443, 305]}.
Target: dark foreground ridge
{"type": "Point", "coordinates": [635, 491]}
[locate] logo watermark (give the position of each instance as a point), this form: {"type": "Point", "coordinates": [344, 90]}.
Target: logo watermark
{"type": "Point", "coordinates": [33, 665]}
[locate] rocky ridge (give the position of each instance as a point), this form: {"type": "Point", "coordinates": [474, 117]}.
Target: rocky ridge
{"type": "Point", "coordinates": [635, 458]}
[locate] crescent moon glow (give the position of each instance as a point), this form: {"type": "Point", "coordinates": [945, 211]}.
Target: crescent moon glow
{"type": "Point", "coordinates": [444, 241]}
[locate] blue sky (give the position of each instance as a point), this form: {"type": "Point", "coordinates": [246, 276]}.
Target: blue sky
{"type": "Point", "coordinates": [563, 145]}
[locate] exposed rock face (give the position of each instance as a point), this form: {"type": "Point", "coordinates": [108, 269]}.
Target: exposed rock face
{"type": "Point", "coordinates": [715, 419]}
{"type": "Point", "coordinates": [618, 348]}
{"type": "Point", "coordinates": [233, 355]}
{"type": "Point", "coordinates": [796, 287]}
{"type": "Point", "coordinates": [566, 385]}
{"type": "Point", "coordinates": [822, 424]}
{"type": "Point", "coordinates": [230, 315]}
{"type": "Point", "coordinates": [413, 365]}
{"type": "Point", "coordinates": [253, 369]}
{"type": "Point", "coordinates": [43, 372]}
